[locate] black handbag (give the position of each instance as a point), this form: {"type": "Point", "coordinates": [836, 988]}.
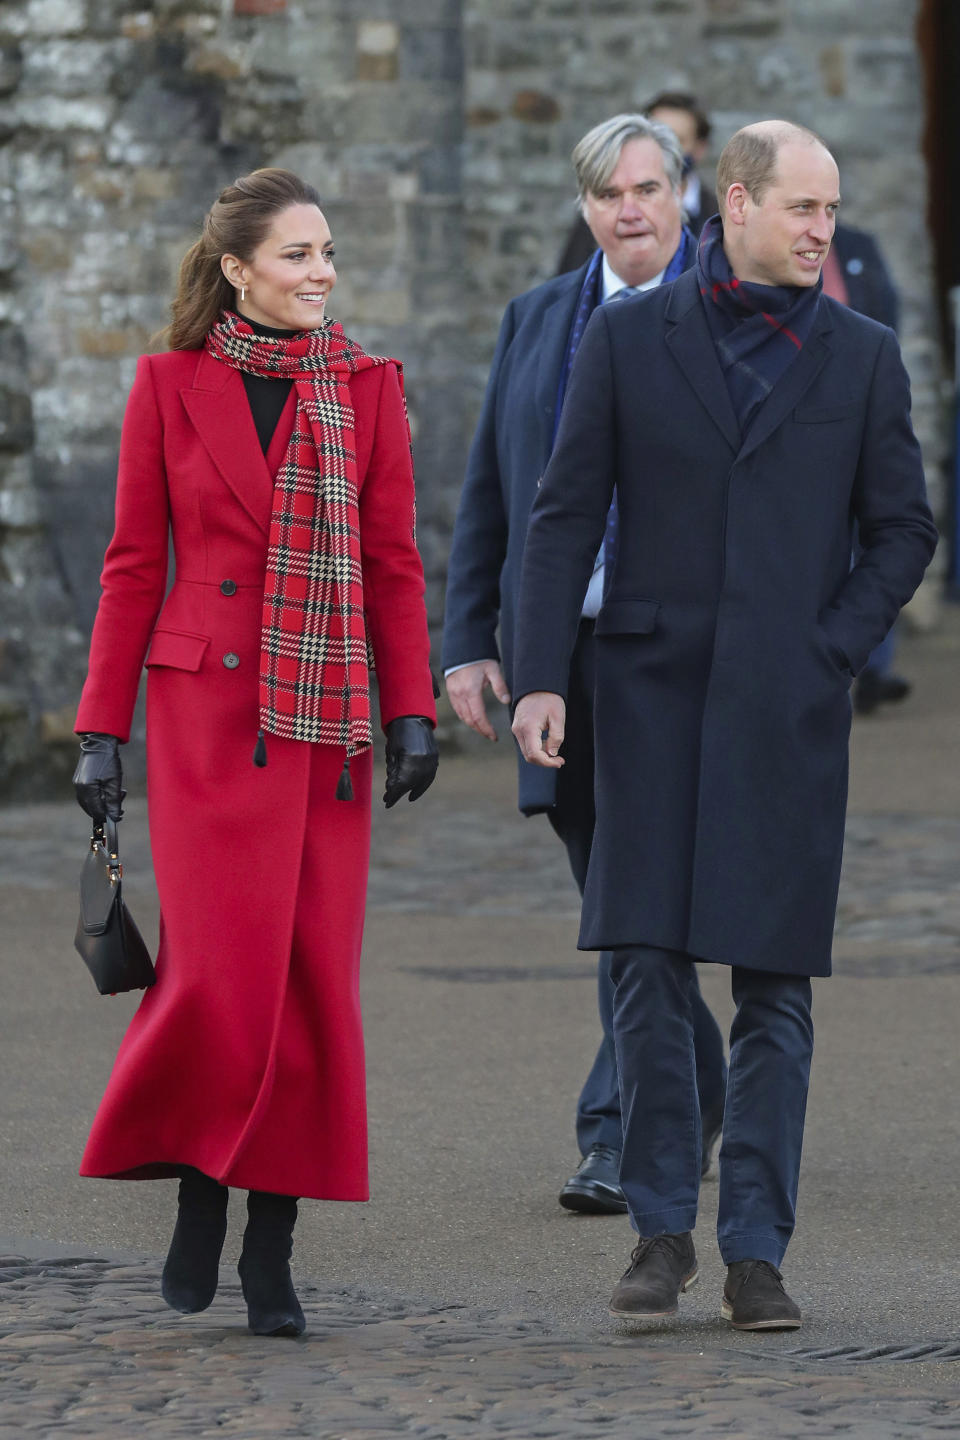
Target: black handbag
{"type": "Point", "coordinates": [107, 938]}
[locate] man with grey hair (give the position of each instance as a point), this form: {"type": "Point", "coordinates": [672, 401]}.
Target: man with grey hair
{"type": "Point", "coordinates": [746, 421]}
{"type": "Point", "coordinates": [628, 172]}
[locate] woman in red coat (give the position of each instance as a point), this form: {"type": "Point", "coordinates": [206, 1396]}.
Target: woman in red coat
{"type": "Point", "coordinates": [278, 454]}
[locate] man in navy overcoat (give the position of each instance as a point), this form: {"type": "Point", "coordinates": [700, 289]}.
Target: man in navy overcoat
{"type": "Point", "coordinates": [629, 175]}
{"type": "Point", "coordinates": [746, 422]}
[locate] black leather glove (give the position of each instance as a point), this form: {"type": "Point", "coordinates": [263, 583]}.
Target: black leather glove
{"type": "Point", "coordinates": [98, 778]}
{"type": "Point", "coordinates": [412, 758]}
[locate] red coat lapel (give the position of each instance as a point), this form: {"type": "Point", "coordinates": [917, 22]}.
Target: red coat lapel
{"type": "Point", "coordinates": [218, 407]}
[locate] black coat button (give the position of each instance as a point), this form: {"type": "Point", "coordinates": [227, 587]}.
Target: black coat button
{"type": "Point", "coordinates": [231, 660]}
{"type": "Point", "coordinates": [228, 587]}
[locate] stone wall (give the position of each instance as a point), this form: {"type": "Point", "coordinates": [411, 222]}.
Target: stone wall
{"type": "Point", "coordinates": [120, 119]}
{"type": "Point", "coordinates": [542, 72]}
{"type": "Point", "coordinates": [119, 124]}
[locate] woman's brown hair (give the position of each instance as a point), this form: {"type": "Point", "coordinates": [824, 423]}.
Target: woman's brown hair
{"type": "Point", "coordinates": [238, 221]}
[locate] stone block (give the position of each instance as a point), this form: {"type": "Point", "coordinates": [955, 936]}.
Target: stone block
{"type": "Point", "coordinates": [412, 12]}
{"type": "Point", "coordinates": [56, 726]}
{"type": "Point", "coordinates": [377, 68]}
{"type": "Point", "coordinates": [51, 113]}
{"type": "Point", "coordinates": [19, 501]}
{"type": "Point", "coordinates": [140, 26]}
{"type": "Point", "coordinates": [259, 7]}
{"type": "Point", "coordinates": [154, 184]}
{"type": "Point", "coordinates": [65, 66]}
{"type": "Point", "coordinates": [103, 342]}
{"type": "Point", "coordinates": [50, 251]}
{"type": "Point", "coordinates": [9, 244]}
{"type": "Point", "coordinates": [482, 115]}
{"type": "Point", "coordinates": [378, 50]}
{"type": "Point", "coordinates": [16, 419]}
{"type": "Point", "coordinates": [319, 164]}
{"type": "Point", "coordinates": [380, 307]}
{"type": "Point", "coordinates": [55, 17]}
{"type": "Point", "coordinates": [421, 113]}
{"type": "Point", "coordinates": [534, 107]}
{"type": "Point", "coordinates": [441, 170]}
{"type": "Point", "coordinates": [833, 70]}
{"type": "Point", "coordinates": [378, 37]}
{"type": "Point", "coordinates": [11, 67]}
{"type": "Point", "coordinates": [222, 61]}
{"type": "Point", "coordinates": [743, 17]}
{"type": "Point", "coordinates": [431, 54]}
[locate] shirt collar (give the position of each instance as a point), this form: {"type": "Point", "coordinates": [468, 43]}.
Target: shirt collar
{"type": "Point", "coordinates": [611, 282]}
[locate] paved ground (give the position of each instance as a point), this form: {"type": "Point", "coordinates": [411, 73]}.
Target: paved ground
{"type": "Point", "coordinates": [462, 1296]}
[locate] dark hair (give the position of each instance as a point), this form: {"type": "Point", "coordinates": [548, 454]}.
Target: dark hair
{"type": "Point", "coordinates": [750, 157]}
{"type": "Point", "coordinates": [682, 100]}
{"type": "Point", "coordinates": [237, 222]}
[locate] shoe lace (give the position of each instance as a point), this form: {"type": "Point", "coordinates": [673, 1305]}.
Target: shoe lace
{"type": "Point", "coordinates": [766, 1266]}
{"type": "Point", "coordinates": [670, 1244]}
{"type": "Point", "coordinates": [600, 1152]}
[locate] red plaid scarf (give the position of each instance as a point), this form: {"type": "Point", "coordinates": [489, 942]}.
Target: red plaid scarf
{"type": "Point", "coordinates": [314, 662]}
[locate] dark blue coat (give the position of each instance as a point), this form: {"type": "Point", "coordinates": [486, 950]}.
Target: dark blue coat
{"type": "Point", "coordinates": [733, 623]}
{"type": "Point", "coordinates": [509, 453]}
{"type": "Point", "coordinates": [870, 287]}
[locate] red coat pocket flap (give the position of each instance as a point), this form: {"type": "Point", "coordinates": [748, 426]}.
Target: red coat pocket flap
{"type": "Point", "coordinates": [178, 649]}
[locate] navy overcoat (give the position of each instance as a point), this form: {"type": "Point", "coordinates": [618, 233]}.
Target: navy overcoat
{"type": "Point", "coordinates": [732, 625]}
{"type": "Point", "coordinates": [509, 454]}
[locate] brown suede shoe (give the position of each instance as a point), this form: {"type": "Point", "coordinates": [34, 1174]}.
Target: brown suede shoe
{"type": "Point", "coordinates": [661, 1268]}
{"type": "Point", "coordinates": [754, 1298]}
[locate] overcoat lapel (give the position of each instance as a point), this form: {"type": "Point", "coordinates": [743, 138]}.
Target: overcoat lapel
{"type": "Point", "coordinates": [793, 383]}
{"type": "Point", "coordinates": [555, 331]}
{"type": "Point", "coordinates": [218, 407]}
{"type": "Point", "coordinates": [691, 344]}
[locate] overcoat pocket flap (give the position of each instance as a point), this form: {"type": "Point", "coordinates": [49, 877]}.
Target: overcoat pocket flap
{"type": "Point", "coordinates": [177, 648]}
{"type": "Point", "coordinates": [627, 617]}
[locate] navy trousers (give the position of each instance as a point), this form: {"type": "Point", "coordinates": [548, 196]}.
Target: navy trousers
{"type": "Point", "coordinates": [771, 1044]}
{"type": "Point", "coordinates": [573, 818]}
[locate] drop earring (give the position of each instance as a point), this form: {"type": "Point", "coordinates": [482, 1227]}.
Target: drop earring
{"type": "Point", "coordinates": [243, 293]}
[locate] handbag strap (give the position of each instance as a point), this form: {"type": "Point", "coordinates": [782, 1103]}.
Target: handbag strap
{"type": "Point", "coordinates": [105, 834]}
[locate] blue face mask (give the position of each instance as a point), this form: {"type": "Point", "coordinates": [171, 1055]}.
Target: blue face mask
{"type": "Point", "coordinates": [688, 164]}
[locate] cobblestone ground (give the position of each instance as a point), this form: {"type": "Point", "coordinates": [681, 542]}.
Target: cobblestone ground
{"type": "Point", "coordinates": [87, 1349]}
{"type": "Point", "coordinates": [899, 909]}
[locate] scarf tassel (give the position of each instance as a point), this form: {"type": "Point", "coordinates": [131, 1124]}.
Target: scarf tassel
{"type": "Point", "coordinates": [260, 751]}
{"type": "Point", "coordinates": [345, 784]}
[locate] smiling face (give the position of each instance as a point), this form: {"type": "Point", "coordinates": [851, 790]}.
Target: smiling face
{"type": "Point", "coordinates": [289, 275]}
{"type": "Point", "coordinates": [635, 218]}
{"type": "Point", "coordinates": [783, 238]}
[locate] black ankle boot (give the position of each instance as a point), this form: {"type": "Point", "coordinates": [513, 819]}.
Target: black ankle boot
{"type": "Point", "coordinates": [272, 1304]}
{"type": "Point", "coordinates": [190, 1274]}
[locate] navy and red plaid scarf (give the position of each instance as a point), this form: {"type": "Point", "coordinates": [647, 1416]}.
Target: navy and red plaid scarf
{"type": "Point", "coordinates": [314, 662]}
{"type": "Point", "coordinates": [759, 330]}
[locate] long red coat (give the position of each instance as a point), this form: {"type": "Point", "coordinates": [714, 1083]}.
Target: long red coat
{"type": "Point", "coordinates": [246, 1058]}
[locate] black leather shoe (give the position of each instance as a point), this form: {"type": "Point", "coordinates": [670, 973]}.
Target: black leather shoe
{"type": "Point", "coordinates": [191, 1271]}
{"type": "Point", "coordinates": [661, 1268]}
{"type": "Point", "coordinates": [754, 1298]}
{"type": "Point", "coordinates": [594, 1187]}
{"type": "Point", "coordinates": [711, 1127]}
